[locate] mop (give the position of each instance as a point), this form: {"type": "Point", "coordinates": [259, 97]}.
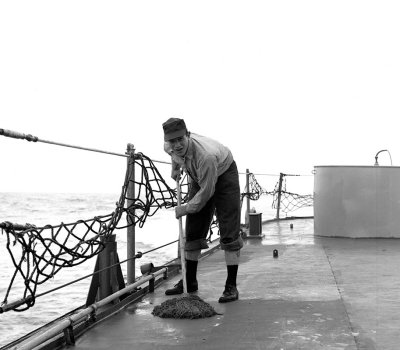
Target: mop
{"type": "Point", "coordinates": [189, 305]}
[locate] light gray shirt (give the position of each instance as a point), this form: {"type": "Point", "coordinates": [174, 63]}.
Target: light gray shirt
{"type": "Point", "coordinates": [205, 160]}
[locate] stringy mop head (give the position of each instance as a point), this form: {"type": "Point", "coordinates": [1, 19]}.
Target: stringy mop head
{"type": "Point", "coordinates": [190, 307]}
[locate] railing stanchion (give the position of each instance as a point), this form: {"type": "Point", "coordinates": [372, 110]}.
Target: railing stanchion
{"type": "Point", "coordinates": [130, 241]}
{"type": "Point", "coordinates": [278, 207]}
{"type": "Point", "coordinates": [247, 222]}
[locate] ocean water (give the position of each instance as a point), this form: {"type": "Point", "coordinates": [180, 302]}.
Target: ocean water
{"type": "Point", "coordinates": [41, 209]}
{"type": "Point", "coordinates": [53, 208]}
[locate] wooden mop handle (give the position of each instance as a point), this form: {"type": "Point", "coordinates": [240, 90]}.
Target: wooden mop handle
{"type": "Point", "coordinates": [181, 239]}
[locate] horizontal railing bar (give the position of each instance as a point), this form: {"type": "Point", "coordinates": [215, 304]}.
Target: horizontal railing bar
{"type": "Point", "coordinates": [84, 148]}
{"type": "Point", "coordinates": [28, 137]}
{"type": "Point", "coordinates": [19, 135]}
{"type": "Point", "coordinates": [263, 174]}
{"type": "Point", "coordinates": [161, 246]}
{"type": "Point", "coordinates": [52, 332]}
{"type": "Point", "coordinates": [161, 161]}
{"type": "Point", "coordinates": [241, 173]}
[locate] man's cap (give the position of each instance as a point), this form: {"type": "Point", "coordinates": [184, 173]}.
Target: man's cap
{"type": "Point", "coordinates": [173, 128]}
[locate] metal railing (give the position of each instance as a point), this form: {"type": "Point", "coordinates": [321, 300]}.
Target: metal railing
{"type": "Point", "coordinates": [132, 255]}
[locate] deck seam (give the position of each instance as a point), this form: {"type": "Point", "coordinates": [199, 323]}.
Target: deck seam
{"type": "Point", "coordinates": [342, 300]}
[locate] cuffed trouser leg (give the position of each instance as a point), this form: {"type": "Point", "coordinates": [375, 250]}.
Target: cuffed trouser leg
{"type": "Point", "coordinates": [193, 254]}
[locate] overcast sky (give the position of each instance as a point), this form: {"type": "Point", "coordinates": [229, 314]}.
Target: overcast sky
{"type": "Point", "coordinates": [286, 85]}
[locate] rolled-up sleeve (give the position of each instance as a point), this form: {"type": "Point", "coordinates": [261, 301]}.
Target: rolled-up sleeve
{"type": "Point", "coordinates": [207, 179]}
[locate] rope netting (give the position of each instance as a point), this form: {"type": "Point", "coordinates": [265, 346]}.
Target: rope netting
{"type": "Point", "coordinates": [38, 253]}
{"type": "Point", "coordinates": [290, 201]}
{"type": "Point", "coordinates": [287, 201]}
{"type": "Point", "coordinates": [293, 201]}
{"type": "Point", "coordinates": [256, 191]}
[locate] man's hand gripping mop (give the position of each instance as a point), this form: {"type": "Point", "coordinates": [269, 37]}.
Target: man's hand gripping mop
{"type": "Point", "coordinates": [189, 305]}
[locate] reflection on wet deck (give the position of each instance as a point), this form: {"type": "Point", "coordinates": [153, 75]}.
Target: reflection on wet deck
{"type": "Point", "coordinates": [287, 232]}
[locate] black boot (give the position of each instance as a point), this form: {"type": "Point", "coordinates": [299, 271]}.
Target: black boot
{"type": "Point", "coordinates": [192, 285]}
{"type": "Point", "coordinates": [230, 293]}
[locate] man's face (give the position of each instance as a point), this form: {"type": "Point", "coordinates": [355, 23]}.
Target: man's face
{"type": "Point", "coordinates": [179, 145]}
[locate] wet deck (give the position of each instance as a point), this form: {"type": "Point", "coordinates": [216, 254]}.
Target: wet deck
{"type": "Point", "coordinates": [320, 293]}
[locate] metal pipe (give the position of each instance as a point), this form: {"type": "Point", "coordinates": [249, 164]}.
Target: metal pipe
{"type": "Point", "coordinates": [18, 135]}
{"type": "Point", "coordinates": [247, 218]}
{"type": "Point", "coordinates": [29, 137]}
{"type": "Point", "coordinates": [279, 194]}
{"type": "Point", "coordinates": [130, 241]}
{"type": "Point", "coordinates": [376, 157]}
{"type": "Point", "coordinates": [52, 332]}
